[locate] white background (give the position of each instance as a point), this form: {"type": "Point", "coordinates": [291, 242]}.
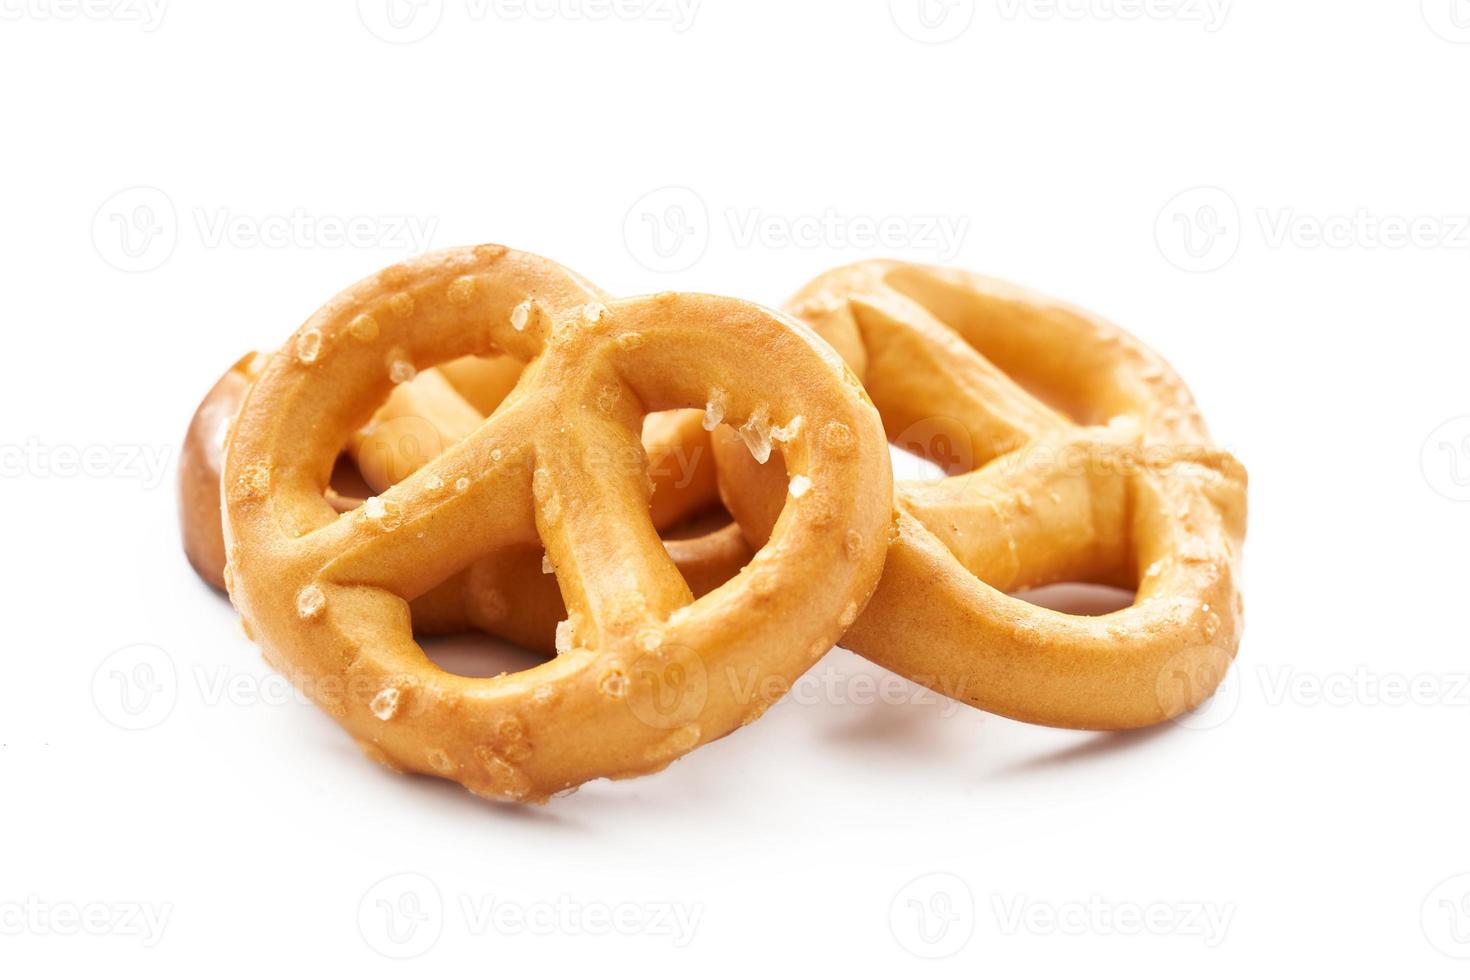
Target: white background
{"type": "Point", "coordinates": [1313, 817]}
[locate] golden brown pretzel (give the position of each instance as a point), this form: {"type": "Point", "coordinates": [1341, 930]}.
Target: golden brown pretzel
{"type": "Point", "coordinates": [1116, 484]}
{"type": "Point", "coordinates": [326, 594]}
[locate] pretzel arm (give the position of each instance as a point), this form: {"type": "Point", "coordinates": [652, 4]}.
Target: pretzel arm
{"type": "Point", "coordinates": [420, 419]}
{"type": "Point", "coordinates": [1028, 519]}
{"type": "Point", "coordinates": [1074, 357]}
{"type": "Point", "coordinates": [942, 376]}
{"type": "Point", "coordinates": [389, 542]}
{"type": "Point", "coordinates": [484, 382]}
{"type": "Point", "coordinates": [611, 566]}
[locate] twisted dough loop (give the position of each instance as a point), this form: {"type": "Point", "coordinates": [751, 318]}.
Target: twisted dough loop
{"type": "Point", "coordinates": [1075, 454]}
{"type": "Point", "coordinates": [645, 674]}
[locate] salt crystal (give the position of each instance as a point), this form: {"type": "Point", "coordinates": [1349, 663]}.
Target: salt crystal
{"type": "Point", "coordinates": [521, 315]}
{"type": "Point", "coordinates": [386, 514]}
{"type": "Point", "coordinates": [310, 601]}
{"type": "Point", "coordinates": [714, 409]}
{"type": "Point", "coordinates": [385, 703]}
{"type": "Point", "coordinates": [308, 345]}
{"type": "Point", "coordinates": [787, 432]}
{"type": "Point", "coordinates": [756, 433]}
{"type": "Point", "coordinates": [613, 684]}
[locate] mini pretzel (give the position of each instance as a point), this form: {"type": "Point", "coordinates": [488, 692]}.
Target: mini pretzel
{"type": "Point", "coordinates": [1118, 484]}
{"type": "Point", "coordinates": [326, 594]}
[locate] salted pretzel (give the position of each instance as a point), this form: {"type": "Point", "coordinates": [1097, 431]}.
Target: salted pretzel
{"type": "Point", "coordinates": [1074, 454]}
{"type": "Point", "coordinates": [505, 594]}
{"type": "Point", "coordinates": [644, 672]}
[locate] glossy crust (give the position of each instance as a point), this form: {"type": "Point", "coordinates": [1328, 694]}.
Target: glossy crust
{"type": "Point", "coordinates": [645, 673]}
{"type": "Point", "coordinates": [1075, 454]}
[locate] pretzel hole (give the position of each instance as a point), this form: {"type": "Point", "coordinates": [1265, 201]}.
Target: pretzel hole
{"type": "Point", "coordinates": [697, 525]}
{"type": "Point", "coordinates": [517, 618]}
{"type": "Point", "coordinates": [498, 616]}
{"type": "Point", "coordinates": [477, 654]}
{"type": "Point", "coordinates": [1078, 598]}
{"type": "Point", "coordinates": [914, 460]}
{"type": "Point", "coordinates": [347, 483]}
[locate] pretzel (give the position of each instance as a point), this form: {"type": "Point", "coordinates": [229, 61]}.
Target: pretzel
{"type": "Point", "coordinates": [325, 594]}
{"type": "Point", "coordinates": [506, 595]}
{"type": "Point", "coordinates": [1117, 484]}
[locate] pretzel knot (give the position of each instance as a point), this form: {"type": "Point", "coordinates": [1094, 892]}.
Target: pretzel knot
{"type": "Point", "coordinates": [1074, 454]}
{"type": "Point", "coordinates": [644, 672]}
